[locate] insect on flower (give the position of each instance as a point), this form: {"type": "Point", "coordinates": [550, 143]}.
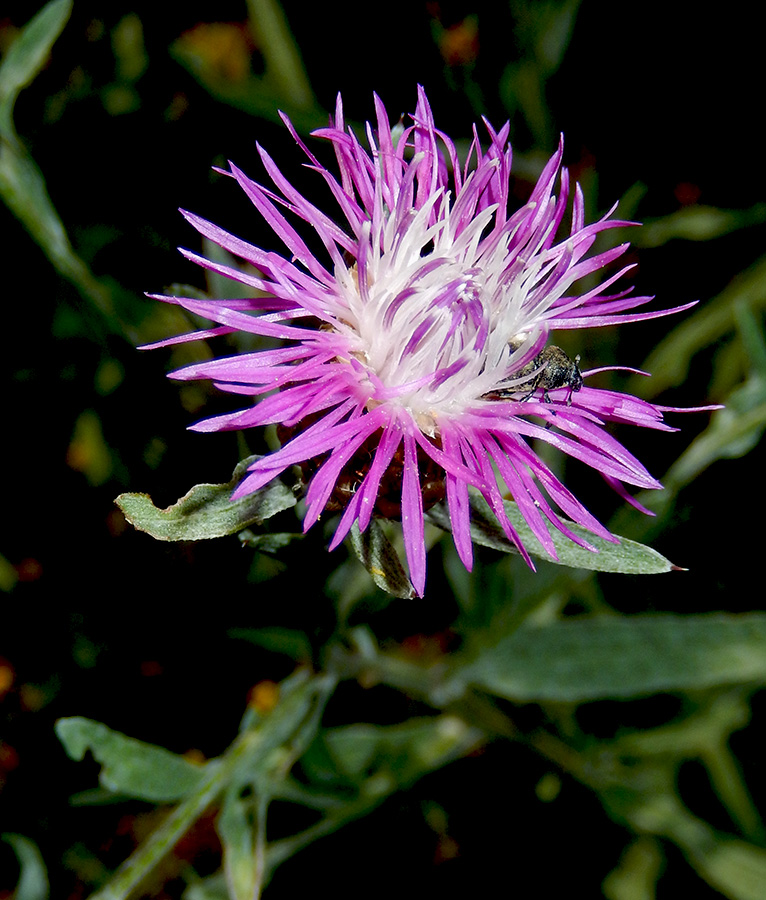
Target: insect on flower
{"type": "Point", "coordinates": [394, 384]}
{"type": "Point", "coordinates": [550, 369]}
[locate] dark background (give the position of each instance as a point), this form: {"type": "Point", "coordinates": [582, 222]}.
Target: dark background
{"type": "Point", "coordinates": [106, 623]}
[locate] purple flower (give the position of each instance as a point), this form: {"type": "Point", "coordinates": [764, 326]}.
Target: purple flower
{"type": "Point", "coordinates": [413, 362]}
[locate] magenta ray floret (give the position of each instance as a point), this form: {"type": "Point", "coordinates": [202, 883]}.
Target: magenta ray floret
{"type": "Point", "coordinates": [433, 298]}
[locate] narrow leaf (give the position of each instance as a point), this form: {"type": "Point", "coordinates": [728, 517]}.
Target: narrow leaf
{"type": "Point", "coordinates": [697, 223]}
{"type": "Point", "coordinates": [22, 185]}
{"type": "Point", "coordinates": [237, 830]}
{"type": "Point", "coordinates": [670, 360]}
{"type": "Point", "coordinates": [33, 880]}
{"type": "Point", "coordinates": [211, 888]}
{"type": "Point", "coordinates": [733, 432]}
{"type": "Point", "coordinates": [291, 642]}
{"type": "Point", "coordinates": [251, 753]}
{"type": "Point", "coordinates": [378, 556]}
{"type": "Point", "coordinates": [26, 57]}
{"type": "Point", "coordinates": [129, 766]}
{"type": "Point", "coordinates": [591, 658]}
{"type": "Point", "coordinates": [207, 511]}
{"type": "Point", "coordinates": [628, 557]}
{"type": "Point", "coordinates": [409, 749]}
{"type": "Point", "coordinates": [284, 67]}
{"type": "Point", "coordinates": [734, 867]}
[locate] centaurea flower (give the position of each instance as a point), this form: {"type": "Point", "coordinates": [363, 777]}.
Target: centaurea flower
{"type": "Point", "coordinates": [411, 359]}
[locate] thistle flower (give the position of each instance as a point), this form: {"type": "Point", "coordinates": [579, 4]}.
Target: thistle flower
{"type": "Point", "coordinates": [413, 363]}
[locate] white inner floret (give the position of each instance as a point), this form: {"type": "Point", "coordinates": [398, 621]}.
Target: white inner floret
{"type": "Point", "coordinates": [434, 320]}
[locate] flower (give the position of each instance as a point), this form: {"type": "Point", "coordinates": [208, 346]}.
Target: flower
{"type": "Point", "coordinates": [413, 365]}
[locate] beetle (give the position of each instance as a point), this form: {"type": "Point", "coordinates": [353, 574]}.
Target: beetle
{"type": "Point", "coordinates": [552, 368]}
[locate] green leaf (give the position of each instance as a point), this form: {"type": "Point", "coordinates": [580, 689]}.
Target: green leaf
{"type": "Point", "coordinates": [636, 876]}
{"type": "Point", "coordinates": [584, 659]}
{"type": "Point", "coordinates": [378, 556]}
{"type": "Point", "coordinates": [294, 720]}
{"type": "Point", "coordinates": [284, 86]}
{"type": "Point", "coordinates": [212, 888]}
{"type": "Point", "coordinates": [239, 835]}
{"type": "Point", "coordinates": [292, 643]}
{"type": "Point", "coordinates": [241, 827]}
{"type": "Point", "coordinates": [670, 360]}
{"type": "Point", "coordinates": [270, 544]}
{"type": "Point", "coordinates": [733, 431]}
{"type": "Point", "coordinates": [628, 557]}
{"type": "Point", "coordinates": [697, 223]}
{"type": "Point", "coordinates": [738, 427]}
{"type": "Point", "coordinates": [207, 511]}
{"type": "Point", "coordinates": [282, 57]}
{"type": "Point", "coordinates": [129, 766]}
{"type": "Point", "coordinates": [407, 750]}
{"type": "Point", "coordinates": [26, 58]}
{"type": "Point", "coordinates": [22, 185]}
{"type": "Point", "coordinates": [33, 881]}
{"type": "Point", "coordinates": [23, 189]}
{"type": "Point", "coordinates": [735, 868]}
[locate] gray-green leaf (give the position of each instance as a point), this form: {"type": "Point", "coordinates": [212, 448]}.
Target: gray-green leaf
{"type": "Point", "coordinates": [408, 750]}
{"type": "Point", "coordinates": [627, 558]}
{"type": "Point", "coordinates": [33, 880]}
{"type": "Point", "coordinates": [378, 556]}
{"type": "Point", "coordinates": [130, 766]}
{"type": "Point", "coordinates": [585, 659]}
{"type": "Point", "coordinates": [207, 511]}
{"type": "Point", "coordinates": [27, 56]}
{"type": "Point", "coordinates": [237, 832]}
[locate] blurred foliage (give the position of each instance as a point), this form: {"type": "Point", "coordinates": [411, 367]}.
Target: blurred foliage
{"type": "Point", "coordinates": [33, 880]}
{"type": "Point", "coordinates": [355, 693]}
{"type": "Point", "coordinates": [220, 56]}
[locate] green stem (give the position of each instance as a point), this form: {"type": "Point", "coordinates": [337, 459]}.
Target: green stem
{"type": "Point", "coordinates": [729, 786]}
{"type": "Point", "coordinates": [290, 717]}
{"type": "Point", "coordinates": [133, 871]}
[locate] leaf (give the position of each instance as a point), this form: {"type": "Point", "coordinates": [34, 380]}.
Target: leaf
{"type": "Point", "coordinates": [23, 189]}
{"type": "Point", "coordinates": [378, 556]}
{"type": "Point", "coordinates": [628, 557]}
{"type": "Point", "coordinates": [733, 432]}
{"type": "Point", "coordinates": [207, 511]}
{"type": "Point", "coordinates": [734, 867]}
{"type": "Point", "coordinates": [697, 223]}
{"type": "Point", "coordinates": [238, 834]}
{"type": "Point", "coordinates": [22, 185]}
{"type": "Point", "coordinates": [584, 659]}
{"type": "Point", "coordinates": [407, 750]}
{"type": "Point", "coordinates": [270, 544]}
{"type": "Point", "coordinates": [130, 766]}
{"type": "Point", "coordinates": [283, 86]}
{"type": "Point", "coordinates": [738, 427]}
{"type": "Point", "coordinates": [282, 58]}
{"type": "Point", "coordinates": [670, 360]}
{"type": "Point", "coordinates": [211, 888]}
{"type": "Point", "coordinates": [636, 876]}
{"type": "Point", "coordinates": [251, 756]}
{"type": "Point", "coordinates": [33, 881]}
{"type": "Point", "coordinates": [291, 642]}
{"type": "Point", "coordinates": [26, 57]}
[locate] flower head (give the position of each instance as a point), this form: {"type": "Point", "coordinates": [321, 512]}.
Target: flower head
{"type": "Point", "coordinates": [414, 360]}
